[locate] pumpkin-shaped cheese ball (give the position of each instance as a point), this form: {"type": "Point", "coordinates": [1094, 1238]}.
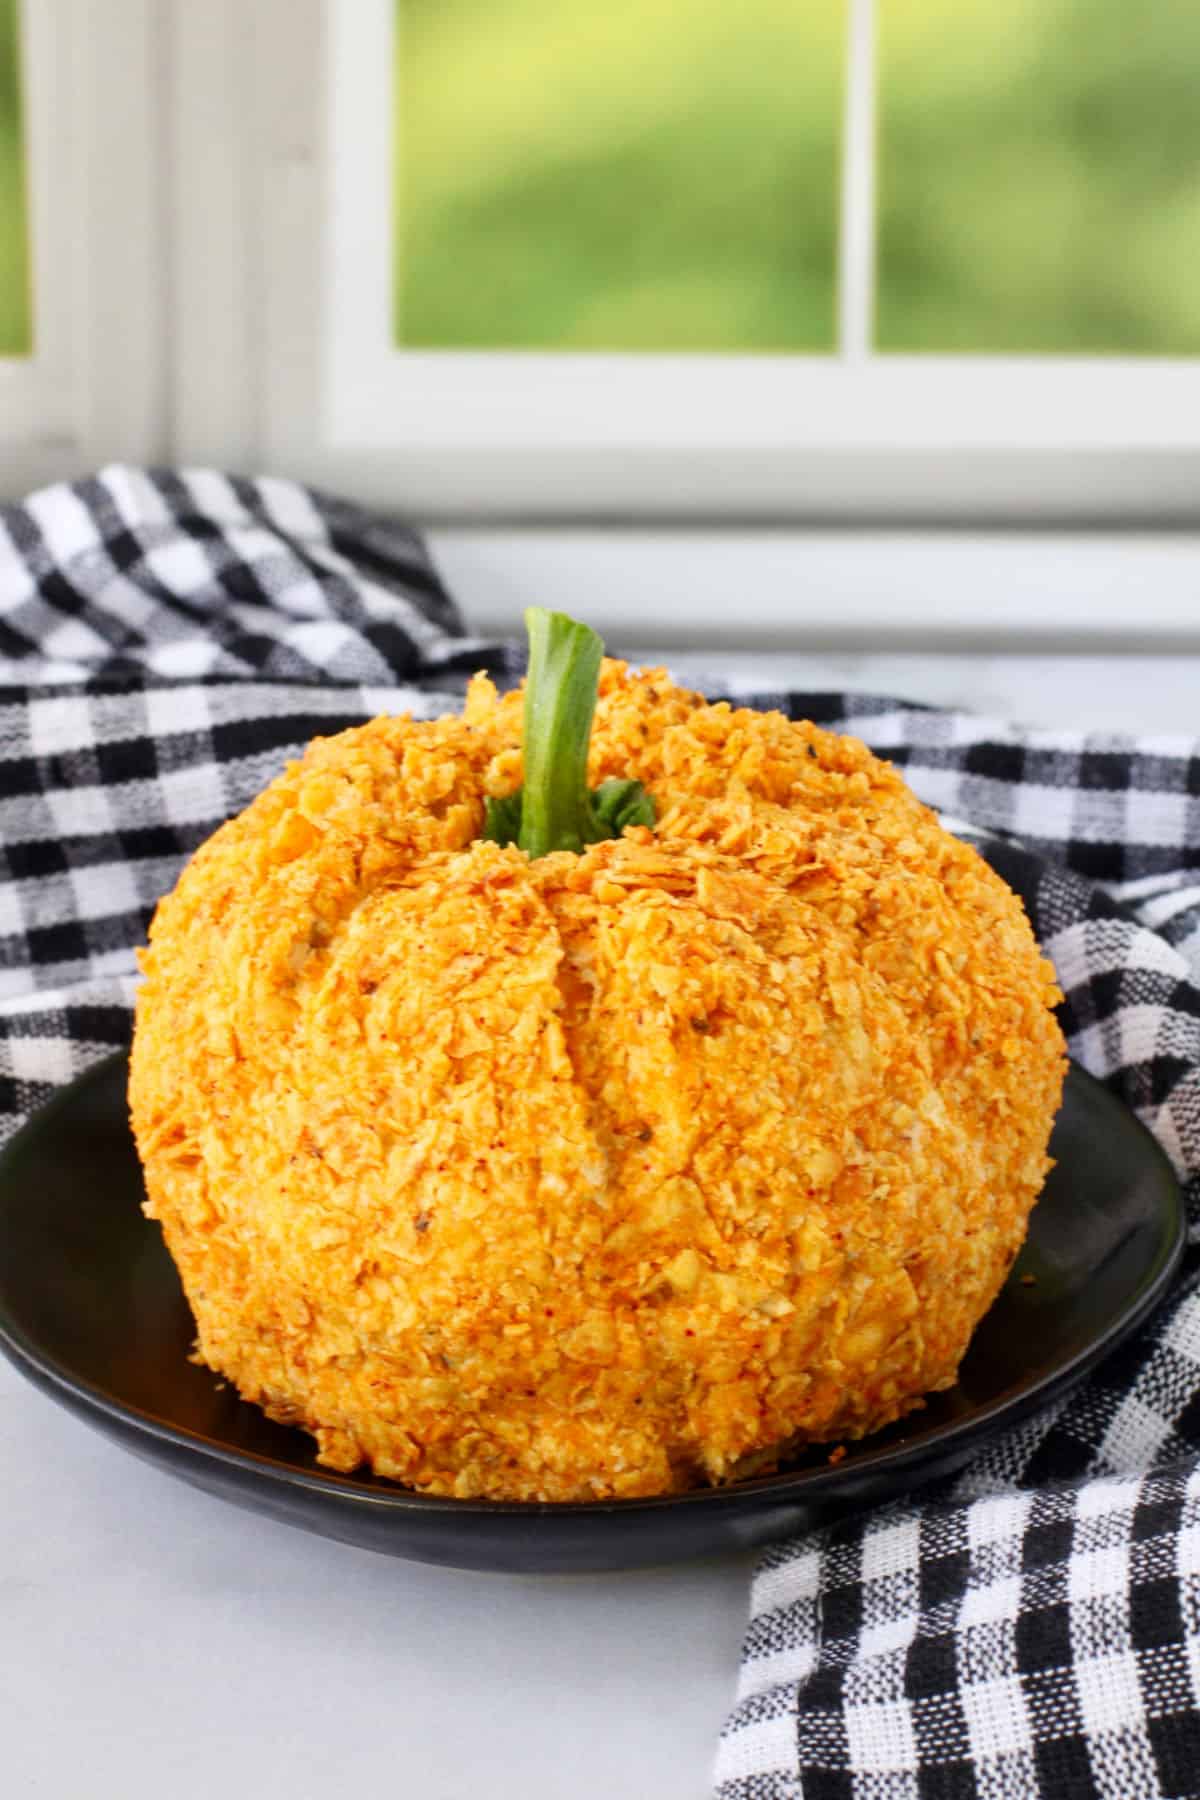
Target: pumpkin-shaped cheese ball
{"type": "Point", "coordinates": [600, 1172]}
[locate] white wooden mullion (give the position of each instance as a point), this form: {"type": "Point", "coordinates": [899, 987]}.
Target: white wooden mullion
{"type": "Point", "coordinates": [293, 73]}
{"type": "Point", "coordinates": [93, 389]}
{"type": "Point", "coordinates": [856, 237]}
{"type": "Point", "coordinates": [210, 149]}
{"type": "Point", "coordinates": [120, 300]}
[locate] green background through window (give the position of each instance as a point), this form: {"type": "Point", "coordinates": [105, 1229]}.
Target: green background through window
{"type": "Point", "coordinates": [16, 331]}
{"type": "Point", "coordinates": [663, 175]}
{"type": "Point", "coordinates": [1039, 176]}
{"type": "Point", "coordinates": [632, 175]}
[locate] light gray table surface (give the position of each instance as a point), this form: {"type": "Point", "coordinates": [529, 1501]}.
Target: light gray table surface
{"type": "Point", "coordinates": [155, 1641]}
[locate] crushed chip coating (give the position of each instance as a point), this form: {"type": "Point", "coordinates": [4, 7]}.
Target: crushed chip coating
{"type": "Point", "coordinates": [598, 1175]}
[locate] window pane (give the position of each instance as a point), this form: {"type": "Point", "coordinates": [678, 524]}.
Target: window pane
{"type": "Point", "coordinates": [637, 175]}
{"type": "Point", "coordinates": [16, 333]}
{"type": "Point", "coordinates": [1039, 176]}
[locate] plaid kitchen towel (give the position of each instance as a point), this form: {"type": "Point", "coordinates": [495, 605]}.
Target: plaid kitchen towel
{"type": "Point", "coordinates": [169, 640]}
{"type": "Point", "coordinates": [1033, 1629]}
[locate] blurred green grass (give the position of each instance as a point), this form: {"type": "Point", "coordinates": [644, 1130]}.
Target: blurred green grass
{"type": "Point", "coordinates": [16, 324]}
{"type": "Point", "coordinates": [663, 175]}
{"type": "Point", "coordinates": [645, 174]}
{"type": "Point", "coordinates": [1039, 176]}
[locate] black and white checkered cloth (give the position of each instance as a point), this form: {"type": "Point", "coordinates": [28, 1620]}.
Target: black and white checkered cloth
{"type": "Point", "coordinates": [168, 641]}
{"type": "Point", "coordinates": [1034, 1629]}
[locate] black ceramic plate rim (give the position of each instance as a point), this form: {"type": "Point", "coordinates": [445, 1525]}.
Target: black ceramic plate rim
{"type": "Point", "coordinates": [796, 1486]}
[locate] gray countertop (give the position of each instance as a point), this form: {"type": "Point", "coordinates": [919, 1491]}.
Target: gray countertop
{"type": "Point", "coordinates": [156, 1641]}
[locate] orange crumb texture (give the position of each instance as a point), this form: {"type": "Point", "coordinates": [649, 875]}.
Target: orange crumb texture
{"type": "Point", "coordinates": [601, 1175]}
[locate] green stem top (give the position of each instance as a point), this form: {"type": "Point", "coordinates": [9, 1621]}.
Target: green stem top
{"type": "Point", "coordinates": [555, 809]}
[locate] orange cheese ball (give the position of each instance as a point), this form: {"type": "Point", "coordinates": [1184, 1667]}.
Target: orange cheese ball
{"type": "Point", "coordinates": [606, 1174]}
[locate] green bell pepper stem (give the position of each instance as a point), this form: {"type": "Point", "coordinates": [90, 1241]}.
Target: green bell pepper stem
{"type": "Point", "coordinates": [560, 702]}
{"type": "Point", "coordinates": [554, 809]}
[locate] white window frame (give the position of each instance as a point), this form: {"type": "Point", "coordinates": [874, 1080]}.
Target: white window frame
{"type": "Point", "coordinates": [279, 121]}
{"type": "Point", "coordinates": [377, 396]}
{"type": "Point", "coordinates": [211, 216]}
{"type": "Point", "coordinates": [850, 435]}
{"type": "Point", "coordinates": [92, 390]}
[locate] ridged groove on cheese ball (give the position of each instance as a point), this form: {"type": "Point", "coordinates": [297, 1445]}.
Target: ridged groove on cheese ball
{"type": "Point", "coordinates": [606, 1173]}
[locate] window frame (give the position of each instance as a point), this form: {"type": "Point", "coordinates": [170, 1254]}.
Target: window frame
{"type": "Point", "coordinates": [218, 246]}
{"type": "Point", "coordinates": [852, 435]}
{"type": "Point", "coordinates": [92, 389]}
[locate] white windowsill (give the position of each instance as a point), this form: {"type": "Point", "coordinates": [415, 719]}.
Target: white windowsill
{"type": "Point", "coordinates": [791, 599]}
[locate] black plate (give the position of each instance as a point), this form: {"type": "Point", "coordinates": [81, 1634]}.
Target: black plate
{"type": "Point", "coordinates": [91, 1311]}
